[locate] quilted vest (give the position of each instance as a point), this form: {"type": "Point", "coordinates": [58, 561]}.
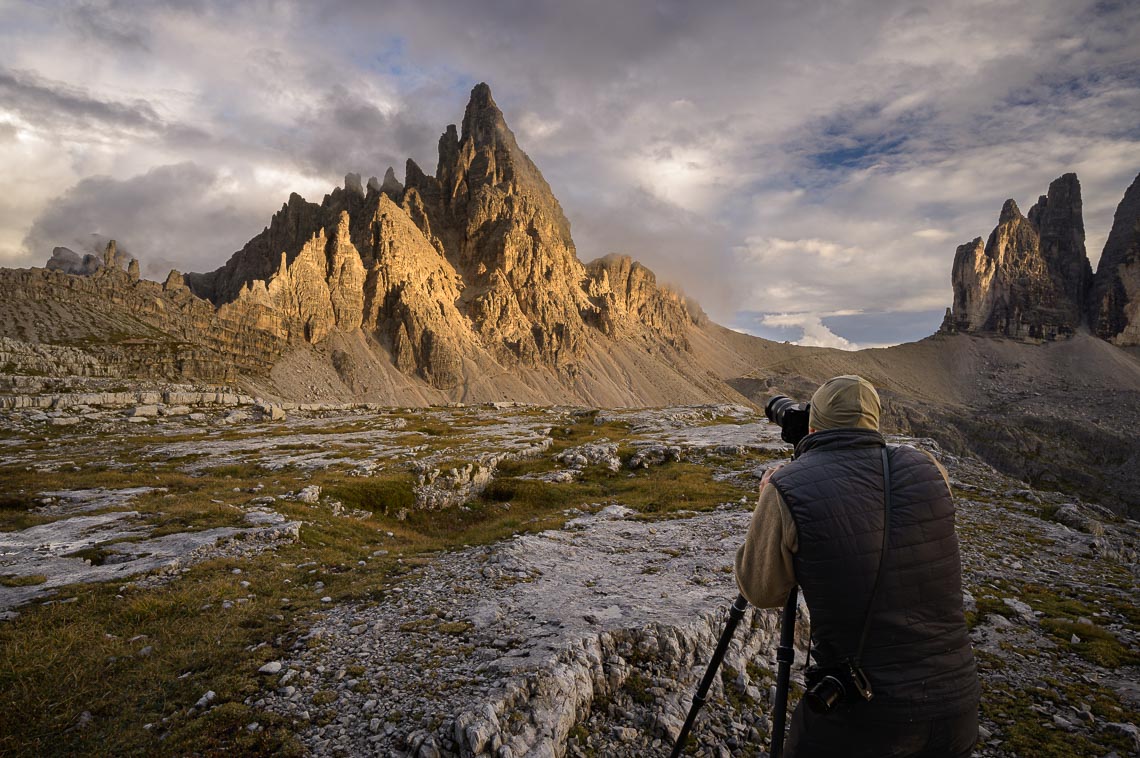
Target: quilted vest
{"type": "Point", "coordinates": [918, 655]}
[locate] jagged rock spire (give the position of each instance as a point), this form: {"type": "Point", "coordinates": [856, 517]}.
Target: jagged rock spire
{"type": "Point", "coordinates": [446, 270]}
{"type": "Point", "coordinates": [1114, 308]}
{"type": "Point", "coordinates": [1031, 278]}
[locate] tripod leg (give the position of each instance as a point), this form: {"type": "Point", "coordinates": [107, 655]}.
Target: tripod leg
{"type": "Point", "coordinates": [735, 613]}
{"type": "Point", "coordinates": [785, 655]}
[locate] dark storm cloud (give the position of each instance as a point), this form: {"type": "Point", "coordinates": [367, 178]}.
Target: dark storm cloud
{"type": "Point", "coordinates": [170, 214]}
{"type": "Point", "coordinates": [345, 132]}
{"type": "Point", "coordinates": [56, 103]}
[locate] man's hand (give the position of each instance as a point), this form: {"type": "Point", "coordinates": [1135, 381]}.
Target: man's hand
{"type": "Point", "coordinates": [768, 474]}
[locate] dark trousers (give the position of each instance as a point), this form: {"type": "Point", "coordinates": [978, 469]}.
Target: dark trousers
{"type": "Point", "coordinates": [838, 734]}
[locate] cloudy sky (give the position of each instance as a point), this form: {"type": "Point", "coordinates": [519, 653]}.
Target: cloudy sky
{"type": "Point", "coordinates": [805, 169]}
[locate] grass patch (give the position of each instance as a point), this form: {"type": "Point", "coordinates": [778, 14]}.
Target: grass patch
{"type": "Point", "coordinates": [638, 688]}
{"type": "Point", "coordinates": [59, 661]}
{"type": "Point", "coordinates": [16, 503]}
{"type": "Point", "coordinates": [324, 697]}
{"type": "Point", "coordinates": [244, 471]}
{"type": "Point", "coordinates": [380, 495]}
{"type": "Point", "coordinates": [96, 555]}
{"type": "Point", "coordinates": [26, 580]}
{"type": "Point", "coordinates": [1024, 731]}
{"type": "Point", "coordinates": [1096, 645]}
{"type": "Point", "coordinates": [457, 628]}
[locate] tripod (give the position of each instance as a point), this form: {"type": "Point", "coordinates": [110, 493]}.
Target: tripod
{"type": "Point", "coordinates": [785, 654]}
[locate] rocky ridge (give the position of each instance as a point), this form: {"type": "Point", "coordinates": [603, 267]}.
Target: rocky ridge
{"type": "Point", "coordinates": [475, 263]}
{"type": "Point", "coordinates": [1032, 280]}
{"type": "Point", "coordinates": [112, 323]}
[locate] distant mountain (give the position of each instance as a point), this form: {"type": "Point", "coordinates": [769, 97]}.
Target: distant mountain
{"type": "Point", "coordinates": [1032, 279]}
{"type": "Point", "coordinates": [451, 274]}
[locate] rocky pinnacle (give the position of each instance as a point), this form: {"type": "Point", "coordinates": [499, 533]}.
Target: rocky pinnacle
{"type": "Point", "coordinates": [1032, 279]}
{"type": "Point", "coordinates": [1114, 308]}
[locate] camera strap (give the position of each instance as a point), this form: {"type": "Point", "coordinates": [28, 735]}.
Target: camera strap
{"type": "Point", "coordinates": [857, 661]}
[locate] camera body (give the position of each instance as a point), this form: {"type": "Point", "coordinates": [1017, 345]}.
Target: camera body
{"type": "Point", "coordinates": [792, 417]}
{"type": "Point", "coordinates": [832, 685]}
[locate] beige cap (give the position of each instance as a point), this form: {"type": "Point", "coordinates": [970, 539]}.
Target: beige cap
{"type": "Point", "coordinates": [845, 402]}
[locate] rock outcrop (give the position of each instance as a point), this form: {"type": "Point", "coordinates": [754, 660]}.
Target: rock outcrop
{"type": "Point", "coordinates": [110, 323]}
{"type": "Point", "coordinates": [626, 292]}
{"type": "Point", "coordinates": [1114, 310]}
{"type": "Point", "coordinates": [1031, 279]}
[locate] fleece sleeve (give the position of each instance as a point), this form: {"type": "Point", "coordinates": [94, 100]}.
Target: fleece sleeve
{"type": "Point", "coordinates": [764, 570]}
{"type": "Point", "coordinates": [941, 469]}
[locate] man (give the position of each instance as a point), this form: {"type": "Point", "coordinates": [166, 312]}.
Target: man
{"type": "Point", "coordinates": [819, 523]}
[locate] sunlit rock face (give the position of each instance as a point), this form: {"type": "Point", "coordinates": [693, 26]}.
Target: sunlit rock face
{"type": "Point", "coordinates": [1031, 279]}
{"type": "Point", "coordinates": [474, 262]}
{"type": "Point", "coordinates": [1114, 310]}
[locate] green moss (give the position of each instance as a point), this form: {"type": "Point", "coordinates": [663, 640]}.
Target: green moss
{"type": "Point", "coordinates": [324, 697]}
{"type": "Point", "coordinates": [455, 627]}
{"type": "Point", "coordinates": [1096, 645]}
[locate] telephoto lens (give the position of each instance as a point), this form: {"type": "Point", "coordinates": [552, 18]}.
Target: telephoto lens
{"type": "Point", "coordinates": [790, 416]}
{"type": "Point", "coordinates": [776, 407]}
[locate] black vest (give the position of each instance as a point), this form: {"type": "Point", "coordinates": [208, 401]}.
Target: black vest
{"type": "Point", "coordinates": [918, 655]}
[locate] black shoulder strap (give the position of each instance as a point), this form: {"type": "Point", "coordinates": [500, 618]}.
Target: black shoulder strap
{"type": "Point", "coordinates": [858, 659]}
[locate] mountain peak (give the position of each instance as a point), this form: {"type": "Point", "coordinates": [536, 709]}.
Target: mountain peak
{"type": "Point", "coordinates": [1009, 211]}
{"type": "Point", "coordinates": [483, 122]}
{"type": "Point", "coordinates": [481, 98]}
{"type": "Point", "coordinates": [1030, 280]}
{"type": "Point", "coordinates": [1114, 310]}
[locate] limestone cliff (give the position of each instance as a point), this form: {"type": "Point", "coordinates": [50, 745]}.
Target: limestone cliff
{"type": "Point", "coordinates": [626, 293]}
{"type": "Point", "coordinates": [1031, 279]}
{"type": "Point", "coordinates": [495, 218]}
{"type": "Point", "coordinates": [131, 327]}
{"type": "Point", "coordinates": [475, 263]}
{"type": "Point", "coordinates": [1114, 309]}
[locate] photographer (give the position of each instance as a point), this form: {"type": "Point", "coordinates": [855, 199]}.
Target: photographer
{"type": "Point", "coordinates": [893, 672]}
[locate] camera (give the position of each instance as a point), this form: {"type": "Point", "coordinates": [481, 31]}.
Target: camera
{"type": "Point", "coordinates": [790, 416]}
{"type": "Point", "coordinates": [830, 686]}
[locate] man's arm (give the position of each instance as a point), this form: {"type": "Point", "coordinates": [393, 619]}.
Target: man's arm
{"type": "Point", "coordinates": [941, 469]}
{"type": "Point", "coordinates": [764, 571]}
